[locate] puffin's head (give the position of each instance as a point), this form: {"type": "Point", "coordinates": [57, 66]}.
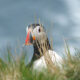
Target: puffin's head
{"type": "Point", "coordinates": [35, 32]}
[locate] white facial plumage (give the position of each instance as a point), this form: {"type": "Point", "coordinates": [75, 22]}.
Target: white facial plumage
{"type": "Point", "coordinates": [36, 31]}
{"type": "Point", "coordinates": [39, 33]}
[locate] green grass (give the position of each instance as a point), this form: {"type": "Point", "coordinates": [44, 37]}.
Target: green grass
{"type": "Point", "coordinates": [15, 69]}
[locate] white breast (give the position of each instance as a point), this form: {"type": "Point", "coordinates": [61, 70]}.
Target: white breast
{"type": "Point", "coordinates": [40, 64]}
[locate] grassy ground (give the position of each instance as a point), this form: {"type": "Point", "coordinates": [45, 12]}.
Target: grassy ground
{"type": "Point", "coordinates": [15, 69]}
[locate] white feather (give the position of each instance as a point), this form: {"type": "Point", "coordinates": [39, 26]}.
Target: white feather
{"type": "Point", "coordinates": [40, 64]}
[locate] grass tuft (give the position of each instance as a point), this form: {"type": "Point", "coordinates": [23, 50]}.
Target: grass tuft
{"type": "Point", "coordinates": [15, 69]}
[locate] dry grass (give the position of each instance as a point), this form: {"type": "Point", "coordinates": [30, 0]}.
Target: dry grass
{"type": "Point", "coordinates": [15, 69]}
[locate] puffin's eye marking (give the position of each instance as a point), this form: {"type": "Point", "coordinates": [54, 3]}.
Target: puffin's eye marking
{"type": "Point", "coordinates": [39, 30]}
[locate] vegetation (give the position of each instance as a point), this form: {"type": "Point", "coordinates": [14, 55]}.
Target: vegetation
{"type": "Point", "coordinates": [15, 69]}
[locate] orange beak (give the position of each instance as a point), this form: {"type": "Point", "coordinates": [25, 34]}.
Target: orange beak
{"type": "Point", "coordinates": [29, 38]}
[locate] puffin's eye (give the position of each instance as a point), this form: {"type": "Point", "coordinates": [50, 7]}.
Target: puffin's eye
{"type": "Point", "coordinates": [39, 30]}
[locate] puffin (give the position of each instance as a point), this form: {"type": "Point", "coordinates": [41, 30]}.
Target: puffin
{"type": "Point", "coordinates": [43, 55]}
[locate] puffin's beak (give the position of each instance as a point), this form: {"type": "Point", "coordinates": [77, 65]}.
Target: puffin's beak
{"type": "Point", "coordinates": [29, 38]}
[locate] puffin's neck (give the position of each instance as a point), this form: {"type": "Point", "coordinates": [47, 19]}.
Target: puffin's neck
{"type": "Point", "coordinates": [40, 48]}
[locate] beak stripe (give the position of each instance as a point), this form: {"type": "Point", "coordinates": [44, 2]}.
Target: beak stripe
{"type": "Point", "coordinates": [27, 38]}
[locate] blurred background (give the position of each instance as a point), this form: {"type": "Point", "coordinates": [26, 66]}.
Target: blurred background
{"type": "Point", "coordinates": [61, 18]}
